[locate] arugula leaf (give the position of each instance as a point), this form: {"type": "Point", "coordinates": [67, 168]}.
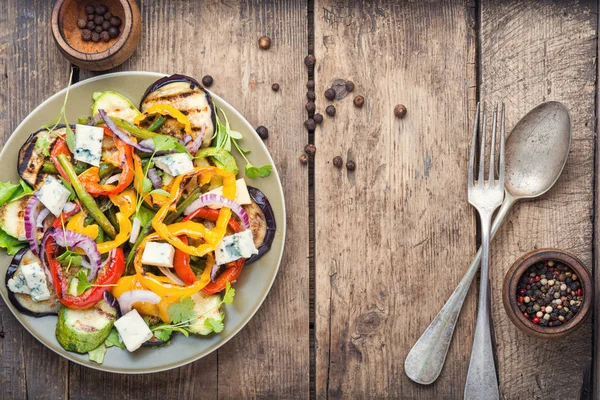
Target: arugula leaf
{"type": "Point", "coordinates": [114, 339]}
{"type": "Point", "coordinates": [82, 282]}
{"type": "Point", "coordinates": [97, 355]}
{"type": "Point", "coordinates": [69, 258]}
{"type": "Point", "coordinates": [160, 191]}
{"type": "Point", "coordinates": [11, 244]}
{"type": "Point", "coordinates": [229, 294]}
{"type": "Point", "coordinates": [69, 187]}
{"type": "Point", "coordinates": [253, 172]}
{"type": "Point", "coordinates": [182, 311]}
{"type": "Point", "coordinates": [216, 325]}
{"type": "Point", "coordinates": [164, 143]}
{"type": "Point", "coordinates": [70, 137]}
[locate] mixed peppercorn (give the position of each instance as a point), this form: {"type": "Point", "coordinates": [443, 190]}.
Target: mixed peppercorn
{"type": "Point", "coordinates": [549, 294]}
{"type": "Point", "coordinates": [99, 24]}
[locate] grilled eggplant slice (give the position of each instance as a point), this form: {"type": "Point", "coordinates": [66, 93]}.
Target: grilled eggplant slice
{"type": "Point", "coordinates": [32, 158]}
{"type": "Point", "coordinates": [189, 97]}
{"type": "Point", "coordinates": [12, 217]}
{"type": "Point", "coordinates": [23, 302]}
{"type": "Point", "coordinates": [262, 222]}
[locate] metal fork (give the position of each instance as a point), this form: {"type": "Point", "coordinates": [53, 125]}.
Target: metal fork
{"type": "Point", "coordinates": [486, 197]}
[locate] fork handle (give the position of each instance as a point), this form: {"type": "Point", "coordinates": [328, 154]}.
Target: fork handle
{"type": "Point", "coordinates": [425, 360]}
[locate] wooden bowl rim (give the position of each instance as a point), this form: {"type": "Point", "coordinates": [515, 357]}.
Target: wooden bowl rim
{"type": "Point", "coordinates": [511, 281]}
{"type": "Point", "coordinates": [110, 51]}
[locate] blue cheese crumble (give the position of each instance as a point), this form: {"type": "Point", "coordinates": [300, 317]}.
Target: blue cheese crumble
{"type": "Point", "coordinates": [88, 144]}
{"type": "Point", "coordinates": [234, 247]}
{"type": "Point", "coordinates": [53, 195]}
{"type": "Point", "coordinates": [158, 254]}
{"type": "Point", "coordinates": [31, 280]}
{"type": "Point", "coordinates": [174, 164]}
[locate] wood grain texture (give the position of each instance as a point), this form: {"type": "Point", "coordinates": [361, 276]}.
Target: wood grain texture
{"type": "Point", "coordinates": [533, 52]}
{"type": "Point", "coordinates": [31, 70]}
{"type": "Point", "coordinates": [394, 236]}
{"type": "Point", "coordinates": [269, 358]}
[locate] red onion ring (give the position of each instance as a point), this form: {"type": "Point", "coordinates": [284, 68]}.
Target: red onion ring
{"type": "Point", "coordinates": [214, 272]}
{"type": "Point", "coordinates": [73, 240]}
{"type": "Point", "coordinates": [167, 272]}
{"type": "Point", "coordinates": [135, 230]}
{"type": "Point", "coordinates": [156, 180]}
{"type": "Point", "coordinates": [70, 206]}
{"type": "Point", "coordinates": [113, 179]}
{"type": "Point", "coordinates": [212, 198]}
{"type": "Point", "coordinates": [127, 299]}
{"type": "Point", "coordinates": [122, 135]}
{"type": "Point", "coordinates": [39, 223]}
{"type": "Point", "coordinates": [186, 139]}
{"type": "Point", "coordinates": [195, 145]}
{"type": "Point", "coordinates": [30, 220]}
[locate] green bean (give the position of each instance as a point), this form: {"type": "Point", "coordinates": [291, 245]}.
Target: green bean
{"type": "Point", "coordinates": [87, 199]}
{"type": "Point", "coordinates": [49, 168]}
{"type": "Point", "coordinates": [182, 206]}
{"type": "Point", "coordinates": [112, 216]}
{"type": "Point", "coordinates": [105, 170]}
{"type": "Point", "coordinates": [157, 123]}
{"type": "Point", "coordinates": [138, 132]}
{"type": "Point", "coordinates": [100, 237]}
{"type": "Point", "coordinates": [145, 231]}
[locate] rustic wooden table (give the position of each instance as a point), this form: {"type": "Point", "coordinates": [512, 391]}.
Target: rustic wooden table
{"type": "Point", "coordinates": [371, 255]}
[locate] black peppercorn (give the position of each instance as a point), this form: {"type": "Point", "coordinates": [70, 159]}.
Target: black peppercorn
{"type": "Point", "coordinates": [330, 110]}
{"type": "Point", "coordinates": [310, 60]}
{"type": "Point", "coordinates": [310, 149]}
{"type": "Point", "coordinates": [81, 23]}
{"type": "Point", "coordinates": [318, 118]}
{"type": "Point", "coordinates": [350, 165]}
{"type": "Point", "coordinates": [207, 80]}
{"type": "Point", "coordinates": [330, 94]}
{"type": "Point", "coordinates": [264, 42]}
{"type": "Point", "coordinates": [101, 10]}
{"type": "Point", "coordinates": [91, 17]}
{"type": "Point", "coordinates": [349, 86]}
{"type": "Point", "coordinates": [309, 124]}
{"type": "Point", "coordinates": [400, 112]}
{"type": "Point", "coordinates": [275, 87]}
{"type": "Point", "coordinates": [113, 32]}
{"type": "Point", "coordinates": [263, 132]}
{"type": "Point", "coordinates": [311, 95]}
{"type": "Point", "coordinates": [310, 107]}
{"type": "Point", "coordinates": [105, 36]}
{"type": "Point", "coordinates": [98, 29]}
{"type": "Point", "coordinates": [95, 37]}
{"type": "Point", "coordinates": [310, 84]}
{"type": "Point", "coordinates": [108, 16]}
{"type": "Point", "coordinates": [115, 21]}
{"type": "Point", "coordinates": [338, 162]}
{"type": "Point", "coordinates": [359, 101]}
{"type": "Point", "coordinates": [86, 35]}
{"type": "Point", "coordinates": [90, 25]}
{"type": "Point", "coordinates": [98, 19]}
{"type": "Point", "coordinates": [303, 159]}
{"type": "Point", "coordinates": [89, 9]}
{"type": "Point", "coordinates": [105, 25]}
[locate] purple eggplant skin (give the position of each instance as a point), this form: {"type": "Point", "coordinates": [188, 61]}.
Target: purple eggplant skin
{"type": "Point", "coordinates": [23, 302]}
{"type": "Point", "coordinates": [154, 342]}
{"type": "Point", "coordinates": [269, 218]}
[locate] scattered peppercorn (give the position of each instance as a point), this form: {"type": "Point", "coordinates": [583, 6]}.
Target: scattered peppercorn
{"type": "Point", "coordinates": [263, 132]}
{"type": "Point", "coordinates": [311, 95]}
{"type": "Point", "coordinates": [105, 36]}
{"type": "Point", "coordinates": [309, 124]}
{"type": "Point", "coordinates": [338, 162]}
{"type": "Point", "coordinates": [310, 149]}
{"type": "Point", "coordinates": [101, 9]}
{"type": "Point", "coordinates": [330, 110]}
{"type": "Point", "coordinates": [81, 23]}
{"type": "Point", "coordinates": [349, 86]}
{"type": "Point", "coordinates": [108, 16]}
{"type": "Point", "coordinates": [95, 37]}
{"type": "Point", "coordinates": [89, 9]}
{"type": "Point", "coordinates": [330, 94]}
{"type": "Point", "coordinates": [113, 32]}
{"type": "Point", "coordinates": [98, 29]}
{"type": "Point", "coordinates": [303, 159]}
{"type": "Point", "coordinates": [359, 101]}
{"type": "Point", "coordinates": [264, 42]}
{"type": "Point", "coordinates": [310, 84]}
{"type": "Point", "coordinates": [318, 118]}
{"type": "Point", "coordinates": [350, 165]}
{"type": "Point", "coordinates": [310, 60]}
{"type": "Point", "coordinates": [275, 87]}
{"type": "Point", "coordinates": [400, 111]}
{"type": "Point", "coordinates": [207, 80]}
{"type": "Point", "coordinates": [310, 107]}
{"type": "Point", "coordinates": [90, 25]}
{"type": "Point", "coordinates": [86, 35]}
{"type": "Point", "coordinates": [90, 17]}
{"type": "Point", "coordinates": [115, 21]}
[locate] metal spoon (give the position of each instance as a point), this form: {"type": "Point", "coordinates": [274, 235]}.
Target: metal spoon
{"type": "Point", "coordinates": [536, 153]}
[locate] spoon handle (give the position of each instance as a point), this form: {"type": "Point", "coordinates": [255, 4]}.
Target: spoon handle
{"type": "Point", "coordinates": [425, 361]}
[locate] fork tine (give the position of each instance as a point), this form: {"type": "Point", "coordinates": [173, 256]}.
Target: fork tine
{"type": "Point", "coordinates": [493, 147]}
{"type": "Point", "coordinates": [501, 168]}
{"type": "Point", "coordinates": [473, 145]}
{"type": "Point", "coordinates": [480, 180]}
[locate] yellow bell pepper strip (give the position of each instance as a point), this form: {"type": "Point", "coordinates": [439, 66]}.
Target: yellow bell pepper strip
{"type": "Point", "coordinates": [192, 229]}
{"type": "Point", "coordinates": [76, 224]}
{"type": "Point", "coordinates": [165, 109]}
{"type": "Point", "coordinates": [154, 201]}
{"type": "Point", "coordinates": [126, 202]}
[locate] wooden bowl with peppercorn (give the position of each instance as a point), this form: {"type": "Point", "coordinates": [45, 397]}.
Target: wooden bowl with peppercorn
{"type": "Point", "coordinates": [547, 293]}
{"type": "Point", "coordinates": [96, 35]}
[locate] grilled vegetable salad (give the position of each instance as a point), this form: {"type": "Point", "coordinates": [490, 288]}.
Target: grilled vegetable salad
{"type": "Point", "coordinates": [132, 225]}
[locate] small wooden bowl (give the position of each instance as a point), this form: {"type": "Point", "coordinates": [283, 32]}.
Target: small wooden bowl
{"type": "Point", "coordinates": [99, 56]}
{"type": "Point", "coordinates": [509, 293]}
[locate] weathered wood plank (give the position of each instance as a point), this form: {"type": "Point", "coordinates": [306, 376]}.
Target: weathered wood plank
{"type": "Point", "coordinates": [533, 52]}
{"type": "Point", "coordinates": [269, 358]}
{"type": "Point", "coordinates": [31, 70]}
{"type": "Point", "coordinates": [394, 236]}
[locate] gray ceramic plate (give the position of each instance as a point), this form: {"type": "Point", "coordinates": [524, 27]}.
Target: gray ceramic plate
{"type": "Point", "coordinates": [251, 288]}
